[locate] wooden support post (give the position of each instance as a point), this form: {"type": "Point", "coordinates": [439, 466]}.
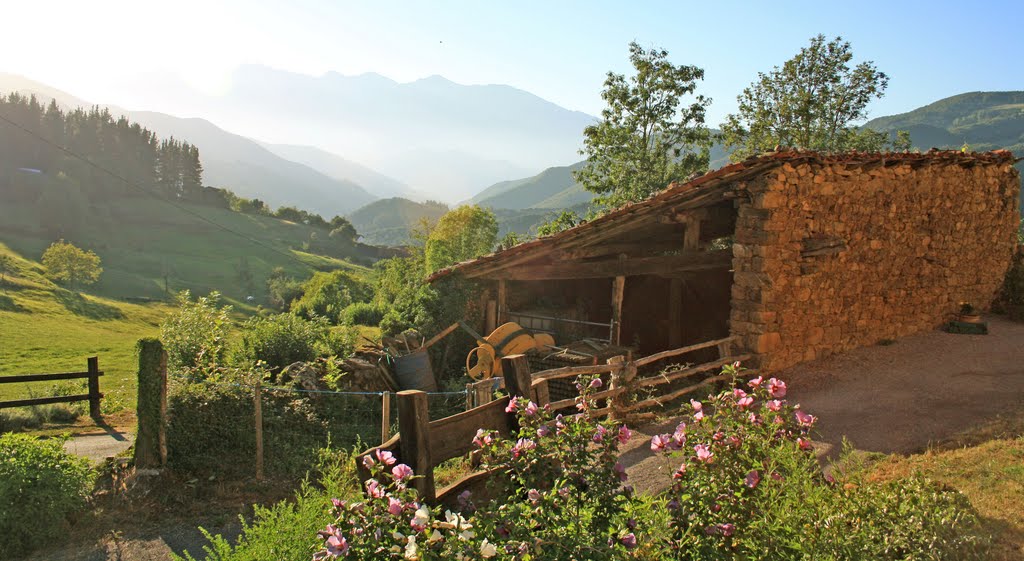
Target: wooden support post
{"type": "Point", "coordinates": [414, 426]}
{"type": "Point", "coordinates": [617, 402]}
{"type": "Point", "coordinates": [94, 387]}
{"type": "Point", "coordinates": [691, 239]}
{"type": "Point", "coordinates": [675, 313]}
{"type": "Point", "coordinates": [151, 406]}
{"type": "Point", "coordinates": [516, 370]}
{"type": "Point", "coordinates": [257, 401]}
{"type": "Point", "coordinates": [618, 290]}
{"type": "Point", "coordinates": [541, 394]}
{"type": "Point", "coordinates": [492, 316]}
{"type": "Point", "coordinates": [502, 304]}
{"type": "Point", "coordinates": [385, 417]}
{"type": "Point", "coordinates": [725, 348]}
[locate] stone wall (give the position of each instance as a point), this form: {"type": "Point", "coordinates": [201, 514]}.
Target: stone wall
{"type": "Point", "coordinates": [829, 257]}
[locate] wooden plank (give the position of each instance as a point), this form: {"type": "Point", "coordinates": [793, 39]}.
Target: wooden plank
{"type": "Point", "coordinates": [451, 437]}
{"type": "Point", "coordinates": [677, 394]}
{"type": "Point", "coordinates": [663, 265]}
{"type": "Point", "coordinates": [556, 405]}
{"type": "Point", "coordinates": [46, 377]}
{"type": "Point", "coordinates": [491, 321]}
{"type": "Point", "coordinates": [567, 371]}
{"type": "Point", "coordinates": [44, 400]}
{"type": "Point", "coordinates": [683, 350]}
{"type": "Point", "coordinates": [502, 302]}
{"type": "Point", "coordinates": [414, 426]}
{"type": "Point", "coordinates": [472, 481]}
{"type": "Point", "coordinates": [541, 393]}
{"type": "Point", "coordinates": [629, 248]}
{"type": "Point", "coordinates": [385, 416]}
{"type": "Point", "coordinates": [618, 291]}
{"type": "Point", "coordinates": [691, 238]}
{"type": "Point", "coordinates": [675, 312]}
{"type": "Point", "coordinates": [616, 382]}
{"type": "Point", "coordinates": [447, 331]}
{"type": "Point", "coordinates": [686, 372]}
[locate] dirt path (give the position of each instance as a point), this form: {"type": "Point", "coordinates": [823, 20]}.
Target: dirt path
{"type": "Point", "coordinates": [100, 445]}
{"type": "Point", "coordinates": [898, 398]}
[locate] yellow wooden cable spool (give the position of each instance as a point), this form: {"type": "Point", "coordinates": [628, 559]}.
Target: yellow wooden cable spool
{"type": "Point", "coordinates": [508, 339]}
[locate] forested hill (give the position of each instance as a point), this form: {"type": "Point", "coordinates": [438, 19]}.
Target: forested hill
{"type": "Point", "coordinates": [390, 221]}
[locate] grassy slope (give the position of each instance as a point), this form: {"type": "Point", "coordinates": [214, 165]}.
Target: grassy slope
{"type": "Point", "coordinates": [46, 328]}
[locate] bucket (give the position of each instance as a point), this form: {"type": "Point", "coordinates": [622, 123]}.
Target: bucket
{"type": "Point", "coordinates": [413, 372]}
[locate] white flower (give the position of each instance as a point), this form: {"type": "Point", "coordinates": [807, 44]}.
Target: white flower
{"type": "Point", "coordinates": [398, 535]}
{"type": "Point", "coordinates": [487, 550]}
{"type": "Point", "coordinates": [436, 536]}
{"type": "Point", "coordinates": [422, 517]}
{"type": "Point", "coordinates": [411, 551]}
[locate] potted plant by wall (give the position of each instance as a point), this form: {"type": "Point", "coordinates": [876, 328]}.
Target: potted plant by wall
{"type": "Point", "coordinates": [968, 314]}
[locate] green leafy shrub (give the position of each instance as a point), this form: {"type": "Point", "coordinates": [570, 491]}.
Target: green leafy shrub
{"type": "Point", "coordinates": [40, 485]}
{"type": "Point", "coordinates": [282, 339]}
{"type": "Point", "coordinates": [327, 294]}
{"type": "Point", "coordinates": [282, 289]}
{"type": "Point", "coordinates": [362, 313]}
{"type": "Point", "coordinates": [196, 333]}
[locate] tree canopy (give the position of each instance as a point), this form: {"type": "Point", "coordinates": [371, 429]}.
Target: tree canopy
{"type": "Point", "coordinates": [67, 263]}
{"type": "Point", "coordinates": [464, 233]}
{"type": "Point", "coordinates": [651, 132]}
{"type": "Point", "coordinates": [812, 103]}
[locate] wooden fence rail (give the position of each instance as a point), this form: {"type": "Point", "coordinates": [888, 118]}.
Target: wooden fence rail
{"type": "Point", "coordinates": [423, 444]}
{"type": "Point", "coordinates": [93, 397]}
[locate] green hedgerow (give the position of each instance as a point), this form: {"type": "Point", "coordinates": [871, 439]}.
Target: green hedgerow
{"type": "Point", "coordinates": [40, 485]}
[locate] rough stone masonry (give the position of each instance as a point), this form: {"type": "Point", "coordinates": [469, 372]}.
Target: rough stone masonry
{"type": "Point", "coordinates": [833, 253]}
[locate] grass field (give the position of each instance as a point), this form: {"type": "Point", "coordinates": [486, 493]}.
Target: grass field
{"type": "Point", "coordinates": [47, 328]}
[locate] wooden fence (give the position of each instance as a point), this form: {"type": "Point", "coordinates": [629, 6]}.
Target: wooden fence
{"type": "Point", "coordinates": [423, 444]}
{"type": "Point", "coordinates": [93, 397]}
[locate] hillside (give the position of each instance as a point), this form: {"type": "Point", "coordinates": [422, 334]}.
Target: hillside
{"type": "Point", "coordinates": [537, 191]}
{"type": "Point", "coordinates": [389, 221]}
{"type": "Point", "coordinates": [333, 165]}
{"type": "Point", "coordinates": [229, 160]}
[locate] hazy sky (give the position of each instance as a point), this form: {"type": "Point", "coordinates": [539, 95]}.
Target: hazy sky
{"type": "Point", "coordinates": [120, 52]}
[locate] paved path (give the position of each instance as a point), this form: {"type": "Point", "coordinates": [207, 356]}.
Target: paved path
{"type": "Point", "coordinates": [923, 389]}
{"type": "Point", "coordinates": [100, 445]}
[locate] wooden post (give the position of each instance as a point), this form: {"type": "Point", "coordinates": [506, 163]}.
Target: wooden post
{"type": "Point", "coordinates": [541, 394]}
{"type": "Point", "coordinates": [151, 405]}
{"type": "Point", "coordinates": [691, 239]}
{"type": "Point", "coordinates": [94, 387]}
{"type": "Point", "coordinates": [516, 370]}
{"type": "Point", "coordinates": [618, 290]}
{"type": "Point", "coordinates": [385, 417]}
{"type": "Point", "coordinates": [502, 304]}
{"type": "Point", "coordinates": [414, 426]}
{"type": "Point", "coordinates": [257, 401]}
{"type": "Point", "coordinates": [724, 348]}
{"type": "Point", "coordinates": [675, 313]}
{"type": "Point", "coordinates": [492, 317]}
{"type": "Point", "coordinates": [617, 381]}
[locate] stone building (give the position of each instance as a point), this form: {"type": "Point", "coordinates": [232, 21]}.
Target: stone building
{"type": "Point", "coordinates": [798, 254]}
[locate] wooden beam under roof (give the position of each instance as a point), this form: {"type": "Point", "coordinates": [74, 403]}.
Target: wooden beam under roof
{"type": "Point", "coordinates": [662, 265]}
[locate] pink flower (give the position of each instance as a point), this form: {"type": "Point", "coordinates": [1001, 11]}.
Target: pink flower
{"type": "Point", "coordinates": [531, 409]}
{"type": "Point", "coordinates": [629, 540]}
{"type": "Point", "coordinates": [804, 419]}
{"type": "Point", "coordinates": [726, 529]}
{"type": "Point", "coordinates": [704, 454]}
{"type": "Point", "coordinates": [718, 436]}
{"type": "Point", "coordinates": [521, 446]}
{"type": "Point", "coordinates": [387, 458]}
{"type": "Point", "coordinates": [803, 443]}
{"type": "Point", "coordinates": [774, 405]}
{"type": "Point", "coordinates": [513, 404]}
{"type": "Point", "coordinates": [368, 461]}
{"type": "Point", "coordinates": [744, 402]}
{"type": "Point", "coordinates": [543, 431]}
{"type": "Point", "coordinates": [394, 506]}
{"type": "Point", "coordinates": [738, 393]}
{"type": "Point", "coordinates": [620, 471]}
{"type": "Point", "coordinates": [624, 434]}
{"type": "Point", "coordinates": [678, 438]}
{"type": "Point", "coordinates": [754, 419]}
{"type": "Point", "coordinates": [563, 492]}
{"type": "Point", "coordinates": [697, 406]}
{"type": "Point", "coordinates": [776, 387]}
{"type": "Point", "coordinates": [698, 416]}
{"type": "Point", "coordinates": [533, 495]}
{"type": "Point", "coordinates": [680, 472]}
{"type": "Point", "coordinates": [482, 438]}
{"type": "Point", "coordinates": [599, 434]}
{"type": "Point", "coordinates": [596, 383]}
{"type": "Point", "coordinates": [756, 382]}
{"type": "Point", "coordinates": [734, 440]}
{"type": "Point", "coordinates": [337, 545]}
{"type": "Point", "coordinates": [401, 471]}
{"type": "Point", "coordinates": [374, 489]}
{"type": "Point", "coordinates": [659, 442]}
{"type": "Point", "coordinates": [752, 479]}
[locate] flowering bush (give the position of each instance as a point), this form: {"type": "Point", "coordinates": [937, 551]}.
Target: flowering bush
{"type": "Point", "coordinates": [748, 486]}
{"type": "Point", "coordinates": [566, 498]}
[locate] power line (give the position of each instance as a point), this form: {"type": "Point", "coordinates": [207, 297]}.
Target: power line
{"type": "Point", "coordinates": [149, 192]}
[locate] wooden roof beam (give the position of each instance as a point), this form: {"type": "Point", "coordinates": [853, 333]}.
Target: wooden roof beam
{"type": "Point", "coordinates": [662, 265]}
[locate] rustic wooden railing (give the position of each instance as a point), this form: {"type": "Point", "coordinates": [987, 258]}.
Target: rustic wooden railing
{"type": "Point", "coordinates": [423, 444]}
{"type": "Point", "coordinates": [93, 397]}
